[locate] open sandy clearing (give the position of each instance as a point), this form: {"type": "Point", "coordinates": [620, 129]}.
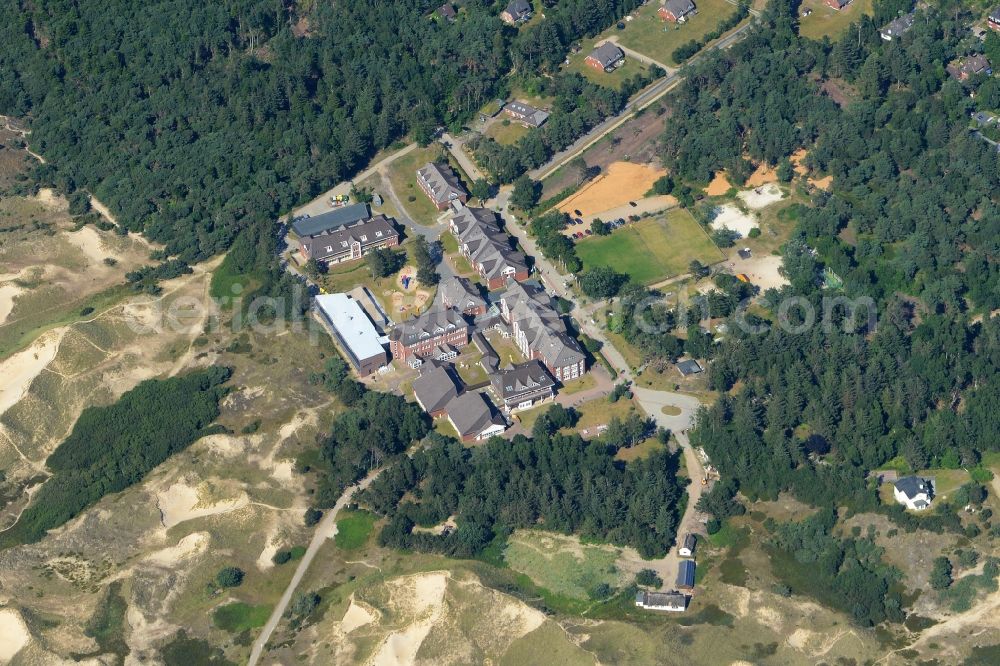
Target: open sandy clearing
{"type": "Point", "coordinates": [20, 370]}
{"type": "Point", "coordinates": [13, 634]}
{"type": "Point", "coordinates": [90, 243]}
{"type": "Point", "coordinates": [731, 217]}
{"type": "Point", "coordinates": [719, 185]}
{"type": "Point", "coordinates": [8, 293]}
{"type": "Point", "coordinates": [190, 545]}
{"type": "Point", "coordinates": [822, 183]}
{"type": "Point", "coordinates": [762, 196]}
{"type": "Point", "coordinates": [763, 175]}
{"type": "Point", "coordinates": [356, 616]}
{"type": "Point", "coordinates": [763, 272]}
{"type": "Point", "coordinates": [425, 593]}
{"type": "Point", "coordinates": [180, 502]}
{"type": "Point", "coordinates": [620, 183]}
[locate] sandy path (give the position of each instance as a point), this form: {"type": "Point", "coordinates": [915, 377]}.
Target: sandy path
{"type": "Point", "coordinates": [13, 634]}
{"type": "Point", "coordinates": [326, 529]}
{"type": "Point", "coordinates": [19, 370]}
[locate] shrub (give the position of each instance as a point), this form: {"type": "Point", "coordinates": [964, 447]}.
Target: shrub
{"type": "Point", "coordinates": [312, 517]}
{"type": "Point", "coordinates": [230, 577]}
{"type": "Point", "coordinates": [281, 557]}
{"type": "Point", "coordinates": [648, 578]}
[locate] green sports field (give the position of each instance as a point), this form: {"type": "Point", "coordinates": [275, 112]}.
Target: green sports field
{"type": "Point", "coordinates": [653, 249]}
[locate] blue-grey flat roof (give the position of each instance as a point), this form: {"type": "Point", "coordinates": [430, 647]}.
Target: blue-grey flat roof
{"type": "Point", "coordinates": [334, 219]}
{"type": "Point", "coordinates": [685, 574]}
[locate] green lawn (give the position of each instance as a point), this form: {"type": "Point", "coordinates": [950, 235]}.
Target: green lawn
{"type": "Point", "coordinates": [562, 564]}
{"type": "Point", "coordinates": [651, 250]}
{"type": "Point", "coordinates": [612, 79]}
{"type": "Point", "coordinates": [652, 36]}
{"type": "Point", "coordinates": [506, 131]}
{"type": "Point", "coordinates": [239, 617]}
{"type": "Point", "coordinates": [825, 20]}
{"type": "Point", "coordinates": [353, 529]}
{"type": "Point", "coordinates": [403, 180]}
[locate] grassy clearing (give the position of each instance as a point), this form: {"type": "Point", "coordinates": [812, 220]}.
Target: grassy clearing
{"type": "Point", "coordinates": [506, 132]}
{"type": "Point", "coordinates": [652, 36]}
{"type": "Point", "coordinates": [403, 180]}
{"type": "Point", "coordinates": [614, 79]}
{"type": "Point", "coordinates": [651, 250]}
{"type": "Point", "coordinates": [825, 20]}
{"type": "Point", "coordinates": [584, 383]}
{"type": "Point", "coordinates": [227, 282]}
{"type": "Point", "coordinates": [562, 564]}
{"type": "Point", "coordinates": [239, 617]}
{"type": "Point", "coordinates": [353, 529]}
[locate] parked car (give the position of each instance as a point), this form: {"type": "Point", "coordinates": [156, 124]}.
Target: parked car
{"type": "Point", "coordinates": [633, 204]}
{"type": "Point", "coordinates": [578, 221]}
{"type": "Point", "coordinates": [578, 213]}
{"type": "Point", "coordinates": [588, 232]}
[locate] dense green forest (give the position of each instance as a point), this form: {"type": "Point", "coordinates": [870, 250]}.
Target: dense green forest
{"type": "Point", "coordinates": [114, 447]}
{"type": "Point", "coordinates": [561, 481]}
{"type": "Point", "coordinates": [912, 223]}
{"type": "Point", "coordinates": [194, 121]}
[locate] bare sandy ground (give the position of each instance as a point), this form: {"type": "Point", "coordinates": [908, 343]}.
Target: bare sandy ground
{"type": "Point", "coordinates": [190, 545]}
{"type": "Point", "coordinates": [13, 634]}
{"type": "Point", "coordinates": [763, 175]}
{"type": "Point", "coordinates": [356, 616]}
{"type": "Point", "coordinates": [425, 595]}
{"type": "Point", "coordinates": [19, 370]}
{"type": "Point", "coordinates": [731, 217]}
{"type": "Point", "coordinates": [822, 183]}
{"type": "Point", "coordinates": [796, 160]}
{"type": "Point", "coordinates": [620, 183]}
{"type": "Point", "coordinates": [762, 196]}
{"type": "Point", "coordinates": [8, 293]}
{"type": "Point", "coordinates": [763, 271]}
{"type": "Point", "coordinates": [181, 502]}
{"type": "Point", "coordinates": [719, 185]}
{"type": "Point", "coordinates": [51, 199]}
{"type": "Point", "coordinates": [88, 240]}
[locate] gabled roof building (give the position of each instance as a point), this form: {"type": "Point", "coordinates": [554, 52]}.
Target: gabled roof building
{"type": "Point", "coordinates": [424, 336]}
{"type": "Point", "coordinates": [539, 331]}
{"type": "Point", "coordinates": [913, 492]}
{"type": "Point", "coordinates": [351, 241]}
{"type": "Point", "coordinates": [474, 418]}
{"type": "Point", "coordinates": [488, 249]}
{"type": "Point", "coordinates": [457, 292]}
{"type": "Point", "coordinates": [685, 575]}
{"type": "Point", "coordinates": [662, 601]}
{"type": "Point", "coordinates": [441, 184]}
{"type": "Point", "coordinates": [676, 11]}
{"type": "Point", "coordinates": [434, 389]}
{"type": "Point", "coordinates": [606, 57]}
{"type": "Point", "coordinates": [516, 11]}
{"type": "Point", "coordinates": [897, 27]}
{"type": "Point", "coordinates": [522, 385]}
{"type": "Point", "coordinates": [526, 114]}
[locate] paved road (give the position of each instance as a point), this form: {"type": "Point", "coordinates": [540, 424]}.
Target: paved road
{"type": "Point", "coordinates": [640, 101]}
{"type": "Point", "coordinates": [326, 529]}
{"type": "Point", "coordinates": [321, 204]}
{"type": "Point", "coordinates": [455, 146]}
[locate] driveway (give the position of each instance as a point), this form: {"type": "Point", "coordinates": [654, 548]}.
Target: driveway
{"type": "Point", "coordinates": [457, 148]}
{"type": "Point", "coordinates": [639, 56]}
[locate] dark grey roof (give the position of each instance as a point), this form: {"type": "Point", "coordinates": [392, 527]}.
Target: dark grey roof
{"type": "Point", "coordinates": [661, 599]}
{"type": "Point", "coordinates": [486, 245]}
{"type": "Point", "coordinates": [442, 181]}
{"type": "Point", "coordinates": [528, 113]}
{"type": "Point", "coordinates": [975, 64]}
{"type": "Point", "coordinates": [689, 367]}
{"type": "Point", "coordinates": [457, 292]}
{"type": "Point", "coordinates": [607, 54]}
{"type": "Point", "coordinates": [518, 8]}
{"type": "Point", "coordinates": [531, 310]}
{"type": "Point", "coordinates": [334, 219]}
{"type": "Point", "coordinates": [471, 413]}
{"type": "Point", "coordinates": [529, 377]}
{"type": "Point", "coordinates": [679, 8]}
{"type": "Point", "coordinates": [911, 486]}
{"type": "Point", "coordinates": [437, 321]}
{"type": "Point", "coordinates": [375, 231]}
{"type": "Point", "coordinates": [690, 541]}
{"type": "Point", "coordinates": [685, 574]}
{"type": "Point", "coordinates": [898, 26]}
{"type": "Point", "coordinates": [995, 15]}
{"type": "Point", "coordinates": [434, 388]}
{"type": "Point", "coordinates": [447, 11]}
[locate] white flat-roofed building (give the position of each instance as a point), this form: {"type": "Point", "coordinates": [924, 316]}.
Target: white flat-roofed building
{"type": "Point", "coordinates": [354, 331]}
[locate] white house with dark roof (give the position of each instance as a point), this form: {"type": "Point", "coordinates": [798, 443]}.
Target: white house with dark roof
{"type": "Point", "coordinates": [473, 417]}
{"type": "Point", "coordinates": [522, 386]}
{"type": "Point", "coordinates": [516, 11]}
{"type": "Point", "coordinates": [913, 492]}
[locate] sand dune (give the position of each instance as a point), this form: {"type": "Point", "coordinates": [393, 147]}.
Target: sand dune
{"type": "Point", "coordinates": [13, 634]}
{"type": "Point", "coordinates": [20, 370]}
